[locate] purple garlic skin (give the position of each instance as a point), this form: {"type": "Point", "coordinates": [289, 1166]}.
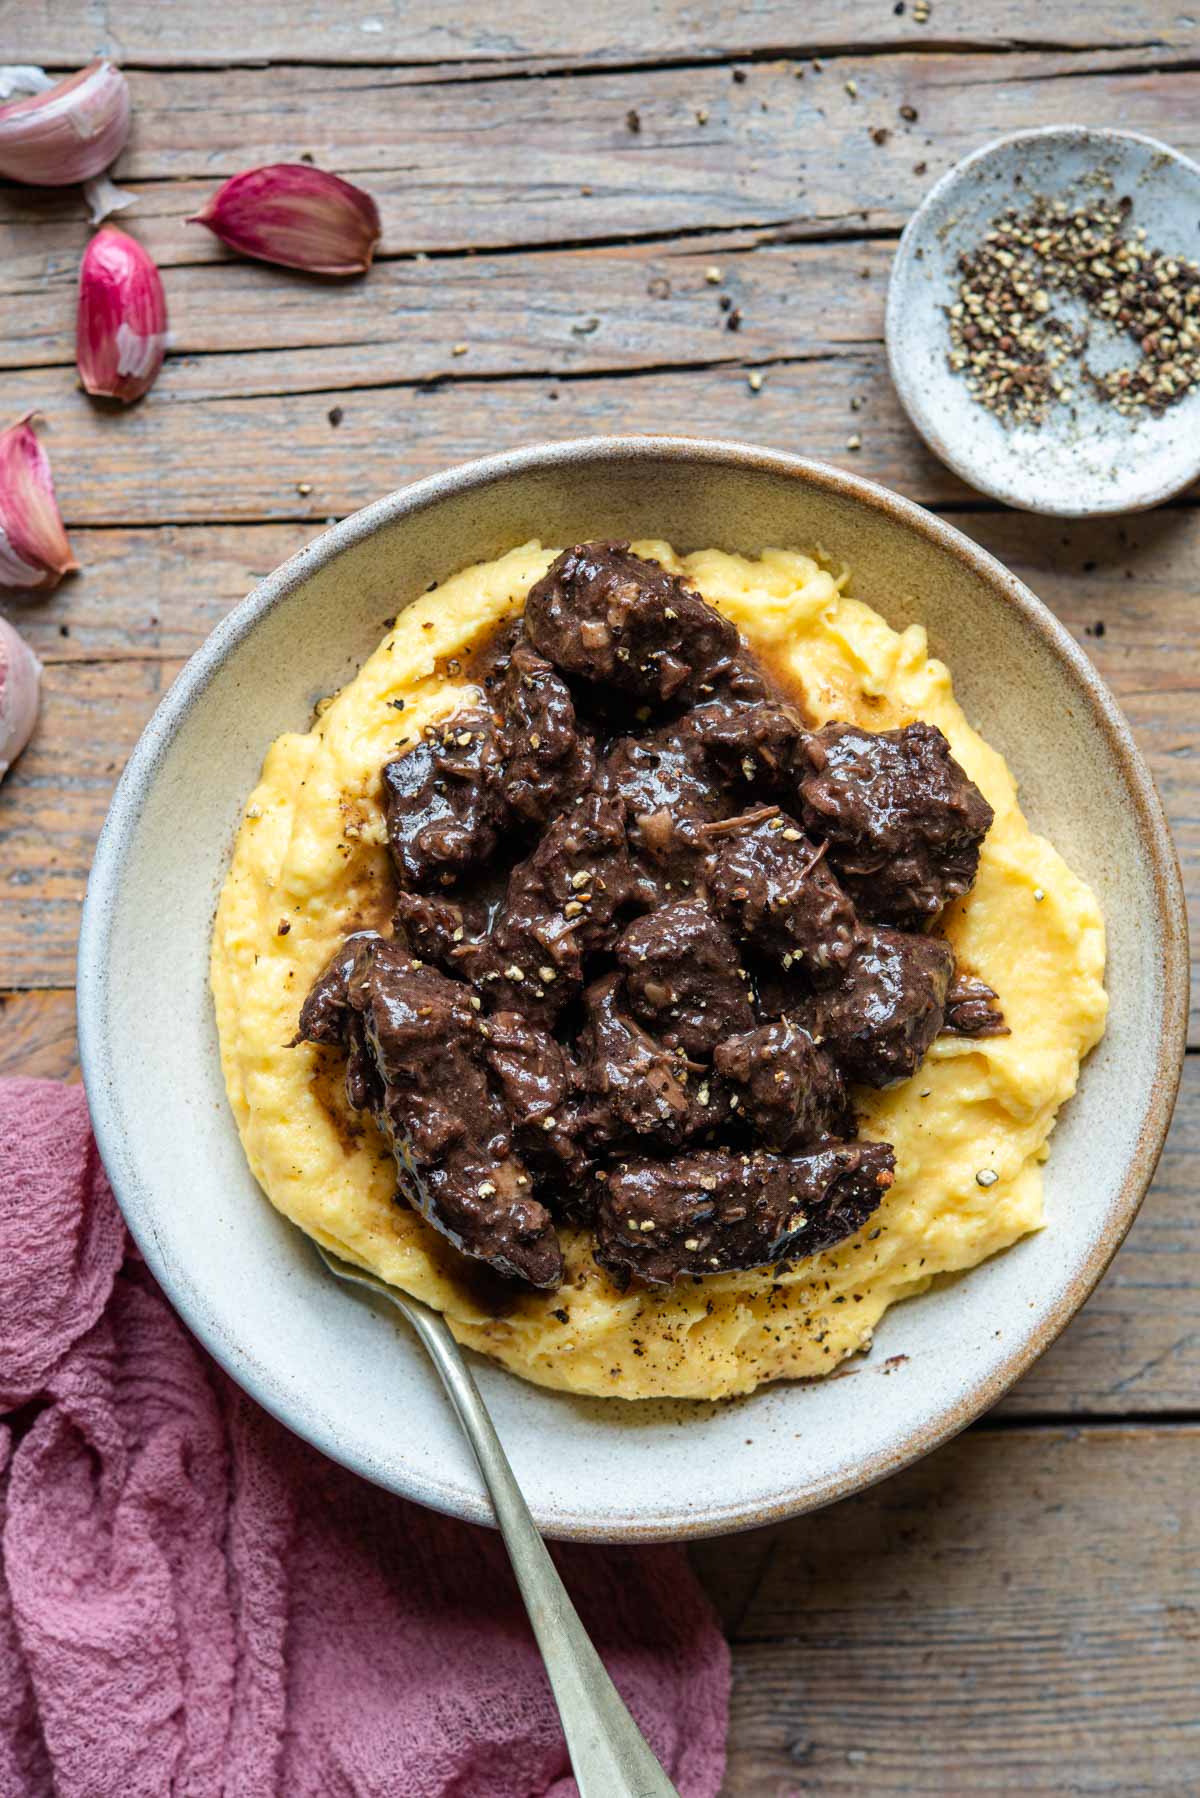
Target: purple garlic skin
{"type": "Point", "coordinates": [121, 324]}
{"type": "Point", "coordinates": [34, 552]}
{"type": "Point", "coordinates": [295, 215]}
{"type": "Point", "coordinates": [70, 132]}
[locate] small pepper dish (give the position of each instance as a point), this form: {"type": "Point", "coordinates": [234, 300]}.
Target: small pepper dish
{"type": "Point", "coordinates": [1086, 459]}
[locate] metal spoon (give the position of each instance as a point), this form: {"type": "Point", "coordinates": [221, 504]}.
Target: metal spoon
{"type": "Point", "coordinates": [609, 1755]}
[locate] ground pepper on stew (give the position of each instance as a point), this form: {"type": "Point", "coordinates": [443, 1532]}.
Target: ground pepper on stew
{"type": "Point", "coordinates": [648, 927]}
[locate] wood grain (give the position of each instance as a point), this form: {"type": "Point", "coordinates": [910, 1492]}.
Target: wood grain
{"type": "Point", "coordinates": [276, 456]}
{"type": "Point", "coordinates": [52, 805]}
{"type": "Point", "coordinates": [469, 165]}
{"type": "Point", "coordinates": [1019, 1612]}
{"type": "Point", "coordinates": [37, 1035]}
{"type": "Point", "coordinates": [620, 307]}
{"type": "Point", "coordinates": [66, 32]}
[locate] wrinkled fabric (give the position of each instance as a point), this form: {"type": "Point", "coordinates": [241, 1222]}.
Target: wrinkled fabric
{"type": "Point", "coordinates": [194, 1602]}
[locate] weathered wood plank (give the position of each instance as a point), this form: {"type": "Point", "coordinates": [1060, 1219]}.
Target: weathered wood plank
{"type": "Point", "coordinates": [37, 1035]}
{"type": "Point", "coordinates": [559, 312]}
{"type": "Point", "coordinates": [275, 456]}
{"type": "Point", "coordinates": [153, 594]}
{"type": "Point", "coordinates": [52, 804]}
{"type": "Point", "coordinates": [66, 32]}
{"type": "Point", "coordinates": [1019, 1612]}
{"type": "Point", "coordinates": [156, 594]}
{"type": "Point", "coordinates": [469, 165]}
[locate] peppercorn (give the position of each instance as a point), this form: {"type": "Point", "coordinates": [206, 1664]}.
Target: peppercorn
{"type": "Point", "coordinates": [1009, 343]}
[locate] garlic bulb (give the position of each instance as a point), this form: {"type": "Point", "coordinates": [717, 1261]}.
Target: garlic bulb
{"type": "Point", "coordinates": [34, 551]}
{"type": "Point", "coordinates": [68, 133]}
{"type": "Point", "coordinates": [121, 325]}
{"type": "Point", "coordinates": [20, 680]}
{"type": "Point", "coordinates": [291, 213]}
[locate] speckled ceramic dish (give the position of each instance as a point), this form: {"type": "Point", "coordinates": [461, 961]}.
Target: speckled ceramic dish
{"type": "Point", "coordinates": [1086, 459]}
{"type": "Point", "coordinates": [352, 1381]}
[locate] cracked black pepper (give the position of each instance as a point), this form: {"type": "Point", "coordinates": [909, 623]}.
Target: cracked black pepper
{"type": "Point", "coordinates": [1020, 358]}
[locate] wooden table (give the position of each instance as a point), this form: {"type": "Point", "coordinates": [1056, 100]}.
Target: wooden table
{"type": "Point", "coordinates": [1022, 1610]}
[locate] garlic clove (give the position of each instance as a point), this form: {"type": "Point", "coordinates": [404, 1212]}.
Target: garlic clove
{"type": "Point", "coordinates": [20, 681]}
{"type": "Point", "coordinates": [68, 133]}
{"type": "Point", "coordinates": [291, 213]}
{"type": "Point", "coordinates": [34, 551]}
{"type": "Point", "coordinates": [121, 325]}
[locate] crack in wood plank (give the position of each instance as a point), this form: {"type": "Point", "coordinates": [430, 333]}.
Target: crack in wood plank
{"type": "Point", "coordinates": [634, 33]}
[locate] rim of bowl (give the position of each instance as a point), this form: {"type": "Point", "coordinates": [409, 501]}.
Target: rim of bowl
{"type": "Point", "coordinates": [188, 688]}
{"type": "Point", "coordinates": [911, 391]}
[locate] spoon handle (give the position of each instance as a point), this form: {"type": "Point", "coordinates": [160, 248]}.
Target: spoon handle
{"type": "Point", "coordinates": [609, 1755]}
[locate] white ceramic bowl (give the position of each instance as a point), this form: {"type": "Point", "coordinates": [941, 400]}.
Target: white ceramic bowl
{"type": "Point", "coordinates": [352, 1380]}
{"type": "Point", "coordinates": [1086, 459]}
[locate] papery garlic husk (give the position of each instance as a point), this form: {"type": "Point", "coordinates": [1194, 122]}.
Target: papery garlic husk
{"type": "Point", "coordinates": [296, 215]}
{"type": "Point", "coordinates": [20, 687]}
{"type": "Point", "coordinates": [121, 325]}
{"type": "Point", "coordinates": [34, 551]}
{"type": "Point", "coordinates": [70, 132]}
{"type": "Point", "coordinates": [104, 196]}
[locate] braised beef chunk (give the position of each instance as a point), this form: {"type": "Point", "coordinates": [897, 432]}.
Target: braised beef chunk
{"type": "Point", "coordinates": [879, 1023]}
{"type": "Point", "coordinates": [754, 741]}
{"type": "Point", "coordinates": [714, 1211]}
{"type": "Point", "coordinates": [537, 1079]}
{"type": "Point", "coordinates": [605, 614]}
{"type": "Point", "coordinates": [972, 1009]}
{"type": "Point", "coordinates": [323, 1014]}
{"type": "Point", "coordinates": [902, 820]}
{"type": "Point", "coordinates": [436, 929]}
{"type": "Point", "coordinates": [449, 1132]}
{"type": "Point", "coordinates": [443, 802]}
{"type": "Point", "coordinates": [788, 1089]}
{"type": "Point", "coordinates": [547, 759]}
{"type": "Point", "coordinates": [631, 1084]}
{"type": "Point", "coordinates": [562, 903]}
{"type": "Point", "coordinates": [327, 1017]}
{"type": "Point", "coordinates": [531, 1067]}
{"type": "Point", "coordinates": [771, 885]}
{"type": "Point", "coordinates": [655, 982]}
{"type": "Point", "coordinates": [670, 799]}
{"type": "Point", "coordinates": [683, 979]}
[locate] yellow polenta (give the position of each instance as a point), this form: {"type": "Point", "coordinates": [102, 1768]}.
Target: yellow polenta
{"type": "Point", "coordinates": [311, 863]}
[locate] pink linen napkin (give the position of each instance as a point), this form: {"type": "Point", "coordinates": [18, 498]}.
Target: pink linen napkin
{"type": "Point", "coordinates": [194, 1602]}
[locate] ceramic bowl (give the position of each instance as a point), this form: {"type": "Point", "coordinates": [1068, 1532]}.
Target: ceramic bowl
{"type": "Point", "coordinates": [1086, 459]}
{"type": "Point", "coordinates": [352, 1380]}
